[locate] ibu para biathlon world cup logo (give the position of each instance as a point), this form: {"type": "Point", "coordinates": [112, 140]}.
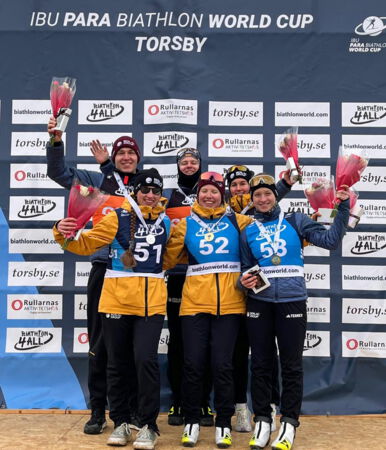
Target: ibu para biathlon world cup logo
{"type": "Point", "coordinates": [371, 26]}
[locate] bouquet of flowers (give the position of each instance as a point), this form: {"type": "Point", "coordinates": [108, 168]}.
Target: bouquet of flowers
{"type": "Point", "coordinates": [349, 168]}
{"type": "Point", "coordinates": [62, 92]}
{"type": "Point", "coordinates": [321, 196]}
{"type": "Point", "coordinates": [288, 147]}
{"type": "Point", "coordinates": [82, 204]}
{"type": "Point", "coordinates": [356, 211]}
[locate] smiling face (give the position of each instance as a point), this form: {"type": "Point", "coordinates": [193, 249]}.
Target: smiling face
{"type": "Point", "coordinates": [189, 165]}
{"type": "Point", "coordinates": [126, 160]}
{"type": "Point", "coordinates": [239, 186]}
{"type": "Point", "coordinates": [147, 197]}
{"type": "Point", "coordinates": [209, 196]}
{"type": "Point", "coordinates": [263, 199]}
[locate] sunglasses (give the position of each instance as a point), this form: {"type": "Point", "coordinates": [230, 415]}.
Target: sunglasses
{"type": "Point", "coordinates": [234, 168]}
{"type": "Point", "coordinates": [212, 176]}
{"type": "Point", "coordinates": [261, 179]}
{"type": "Point", "coordinates": [188, 151]}
{"type": "Point", "coordinates": [147, 189]}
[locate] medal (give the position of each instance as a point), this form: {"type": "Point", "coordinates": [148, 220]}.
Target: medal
{"type": "Point", "coordinates": [275, 259]}
{"type": "Point", "coordinates": [209, 237]}
{"type": "Point", "coordinates": [150, 239]}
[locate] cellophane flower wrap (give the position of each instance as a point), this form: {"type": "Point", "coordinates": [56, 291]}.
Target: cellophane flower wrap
{"type": "Point", "coordinates": [349, 168]}
{"type": "Point", "coordinates": [288, 147]}
{"type": "Point", "coordinates": [321, 193]}
{"type": "Point", "coordinates": [62, 92]}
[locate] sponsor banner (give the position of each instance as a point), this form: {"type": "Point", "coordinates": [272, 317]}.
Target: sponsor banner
{"type": "Point", "coordinates": [32, 240]}
{"type": "Point", "coordinates": [81, 343]}
{"type": "Point", "coordinates": [363, 344]}
{"type": "Point", "coordinates": [168, 172]}
{"type": "Point", "coordinates": [364, 310]}
{"type": "Point", "coordinates": [364, 244]}
{"type": "Point", "coordinates": [317, 276]}
{"type": "Point", "coordinates": [171, 110]}
{"type": "Point", "coordinates": [82, 272]}
{"type": "Point", "coordinates": [106, 139]}
{"type": "Point", "coordinates": [363, 114]}
{"type": "Point", "coordinates": [80, 307]}
{"type": "Point", "coordinates": [317, 343]}
{"type": "Point", "coordinates": [235, 145]}
{"type": "Point", "coordinates": [364, 278]}
{"type": "Point", "coordinates": [36, 208]}
{"type": "Point", "coordinates": [31, 176]}
{"type": "Point", "coordinates": [312, 250]}
{"type": "Point", "coordinates": [372, 179]}
{"type": "Point", "coordinates": [236, 114]}
{"type": "Point", "coordinates": [31, 112]}
{"type": "Point", "coordinates": [374, 211]}
{"type": "Point", "coordinates": [105, 112]}
{"type": "Point", "coordinates": [309, 146]}
{"type": "Point", "coordinates": [163, 342]}
{"type": "Point", "coordinates": [33, 340]}
{"type": "Point", "coordinates": [371, 27]}
{"type": "Point", "coordinates": [30, 143]}
{"type": "Point", "coordinates": [296, 205]}
{"type": "Point", "coordinates": [167, 143]}
{"type": "Point", "coordinates": [302, 114]}
{"type": "Point", "coordinates": [318, 309]}
{"type": "Point", "coordinates": [310, 174]}
{"type": "Point", "coordinates": [34, 306]}
{"type": "Point", "coordinates": [89, 167]}
{"type": "Point", "coordinates": [35, 273]}
{"type": "Point", "coordinates": [373, 145]}
{"type": "Point", "coordinates": [222, 168]}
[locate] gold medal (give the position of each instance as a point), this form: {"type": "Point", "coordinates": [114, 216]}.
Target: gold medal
{"type": "Point", "coordinates": [275, 259]}
{"type": "Point", "coordinates": [209, 236]}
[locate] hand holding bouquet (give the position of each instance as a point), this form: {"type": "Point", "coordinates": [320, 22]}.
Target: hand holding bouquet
{"type": "Point", "coordinates": [321, 196]}
{"type": "Point", "coordinates": [62, 92]}
{"type": "Point", "coordinates": [288, 147]}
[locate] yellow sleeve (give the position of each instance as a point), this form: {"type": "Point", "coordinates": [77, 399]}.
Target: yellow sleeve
{"type": "Point", "coordinates": [175, 252]}
{"type": "Point", "coordinates": [89, 242]}
{"type": "Point", "coordinates": [243, 221]}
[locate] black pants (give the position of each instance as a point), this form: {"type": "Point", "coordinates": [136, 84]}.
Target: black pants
{"type": "Point", "coordinates": [176, 348]}
{"type": "Point", "coordinates": [288, 322]}
{"type": "Point", "coordinates": [97, 357]}
{"type": "Point", "coordinates": [217, 334]}
{"type": "Point", "coordinates": [241, 368]}
{"type": "Point", "coordinates": [139, 336]}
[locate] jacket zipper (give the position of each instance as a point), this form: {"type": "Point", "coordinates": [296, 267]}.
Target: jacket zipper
{"type": "Point", "coordinates": [218, 296]}
{"type": "Point", "coordinates": [146, 305]}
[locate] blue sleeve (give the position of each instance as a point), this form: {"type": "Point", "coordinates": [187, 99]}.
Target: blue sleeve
{"type": "Point", "coordinates": [247, 260]}
{"type": "Point", "coordinates": [64, 175]}
{"type": "Point", "coordinates": [107, 167]}
{"type": "Point", "coordinates": [318, 235]}
{"type": "Point", "coordinates": [283, 188]}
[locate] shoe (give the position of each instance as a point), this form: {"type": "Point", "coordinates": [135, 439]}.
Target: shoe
{"type": "Point", "coordinates": [223, 437]}
{"type": "Point", "coordinates": [120, 435]}
{"type": "Point", "coordinates": [285, 438]}
{"type": "Point", "coordinates": [190, 434]}
{"type": "Point", "coordinates": [175, 416]}
{"type": "Point", "coordinates": [206, 417]}
{"type": "Point", "coordinates": [146, 438]}
{"type": "Point", "coordinates": [261, 435]}
{"type": "Point", "coordinates": [243, 418]}
{"type": "Point", "coordinates": [273, 417]}
{"type": "Point", "coordinates": [97, 422]}
{"type": "Point", "coordinates": [134, 422]}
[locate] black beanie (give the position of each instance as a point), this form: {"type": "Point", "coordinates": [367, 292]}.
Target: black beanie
{"type": "Point", "coordinates": [148, 177]}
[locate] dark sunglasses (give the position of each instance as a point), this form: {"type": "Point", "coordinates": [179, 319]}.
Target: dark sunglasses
{"type": "Point", "coordinates": [147, 189]}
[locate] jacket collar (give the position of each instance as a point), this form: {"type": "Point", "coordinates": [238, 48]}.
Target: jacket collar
{"type": "Point", "coordinates": [268, 216]}
{"type": "Point", "coordinates": [149, 212]}
{"type": "Point", "coordinates": [208, 213]}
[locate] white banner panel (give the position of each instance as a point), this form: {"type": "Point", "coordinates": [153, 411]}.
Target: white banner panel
{"type": "Point", "coordinates": [80, 307]}
{"type": "Point", "coordinates": [36, 208]}
{"type": "Point", "coordinates": [364, 310]}
{"type": "Point", "coordinates": [105, 112]}
{"type": "Point", "coordinates": [35, 273]}
{"type": "Point", "coordinates": [34, 306]}
{"type": "Point", "coordinates": [296, 205]}
{"type": "Point", "coordinates": [31, 111]}
{"type": "Point", "coordinates": [374, 211]}
{"type": "Point", "coordinates": [171, 110]}
{"type": "Point", "coordinates": [318, 309]}
{"type": "Point", "coordinates": [106, 139]}
{"type": "Point", "coordinates": [32, 240]}
{"type": "Point", "coordinates": [317, 276]}
{"type": "Point", "coordinates": [373, 179]}
{"type": "Point", "coordinates": [363, 344]}
{"type": "Point", "coordinates": [364, 244]}
{"type": "Point", "coordinates": [240, 114]}
{"type": "Point", "coordinates": [373, 145]}
{"type": "Point", "coordinates": [309, 146]}
{"type": "Point", "coordinates": [82, 272]}
{"type": "Point", "coordinates": [363, 114]}
{"type": "Point", "coordinates": [168, 172]}
{"type": "Point", "coordinates": [163, 341]}
{"type": "Point", "coordinates": [31, 176]}
{"type": "Point", "coordinates": [81, 341]}
{"type": "Point", "coordinates": [33, 340]}
{"type": "Point", "coordinates": [167, 143]}
{"type": "Point", "coordinates": [364, 278]}
{"type": "Point", "coordinates": [235, 145]}
{"type": "Point", "coordinates": [31, 143]}
{"type": "Point", "coordinates": [317, 343]}
{"type": "Point", "coordinates": [310, 174]}
{"type": "Point", "coordinates": [302, 114]}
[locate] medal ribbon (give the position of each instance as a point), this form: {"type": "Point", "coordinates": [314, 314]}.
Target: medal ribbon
{"type": "Point", "coordinates": [273, 244]}
{"type": "Point", "coordinates": [188, 198]}
{"type": "Point", "coordinates": [204, 225]}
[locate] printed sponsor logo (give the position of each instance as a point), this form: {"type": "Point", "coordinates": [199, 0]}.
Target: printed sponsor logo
{"type": "Point", "coordinates": [253, 315]}
{"type": "Point", "coordinates": [34, 306]}
{"type": "Point", "coordinates": [363, 114]}
{"type": "Point", "coordinates": [222, 168]}
{"type": "Point", "coordinates": [369, 245]}
{"type": "Point", "coordinates": [373, 179]}
{"type": "Point", "coordinates": [168, 172]}
{"type": "Point", "coordinates": [371, 27]}
{"type": "Point", "coordinates": [309, 146]}
{"type": "Point", "coordinates": [31, 111]}
{"type": "Point", "coordinates": [36, 208]}
{"type": "Point", "coordinates": [373, 145]}
{"type": "Point", "coordinates": [33, 340]}
{"type": "Point", "coordinates": [312, 250]}
{"type": "Point", "coordinates": [31, 176]}
{"type": "Point", "coordinates": [106, 139]}
{"type": "Point", "coordinates": [241, 114]}
{"type": "Point", "coordinates": [81, 342]}
{"type": "Point", "coordinates": [26, 143]}
{"type": "Point", "coordinates": [310, 174]}
{"type": "Point", "coordinates": [35, 273]}
{"type": "Point", "coordinates": [364, 310]}
{"type": "Point", "coordinates": [374, 211]}
{"type": "Point", "coordinates": [289, 205]}
{"type": "Point", "coordinates": [171, 110]}
{"type": "Point", "coordinates": [33, 240]}
{"type": "Point", "coordinates": [163, 342]}
{"type": "Point", "coordinates": [240, 145]}
{"type": "Point", "coordinates": [302, 114]}
{"type": "Point", "coordinates": [318, 309]}
{"type": "Point", "coordinates": [317, 343]}
{"type": "Point", "coordinates": [317, 276]}
{"type": "Point", "coordinates": [363, 278]}
{"type": "Point", "coordinates": [82, 272]}
{"type": "Point", "coordinates": [167, 143]}
{"type": "Point", "coordinates": [113, 316]}
{"type": "Point", "coordinates": [105, 112]}
{"type": "Point", "coordinates": [80, 307]}
{"type": "Point", "coordinates": [363, 345]}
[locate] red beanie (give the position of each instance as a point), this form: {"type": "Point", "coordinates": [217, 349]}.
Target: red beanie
{"type": "Point", "coordinates": [122, 142]}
